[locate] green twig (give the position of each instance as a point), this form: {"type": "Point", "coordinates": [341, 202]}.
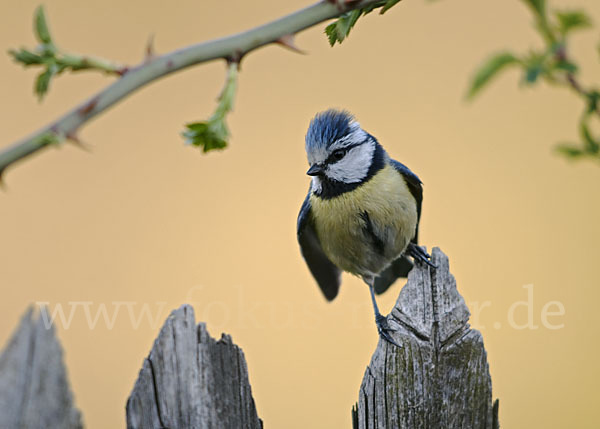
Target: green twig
{"type": "Point", "coordinates": [213, 134]}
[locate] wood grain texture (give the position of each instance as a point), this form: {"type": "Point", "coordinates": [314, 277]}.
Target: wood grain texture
{"type": "Point", "coordinates": [440, 377]}
{"type": "Point", "coordinates": [190, 380]}
{"type": "Point", "coordinates": [34, 388]}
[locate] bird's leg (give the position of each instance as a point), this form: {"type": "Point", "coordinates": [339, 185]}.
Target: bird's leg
{"type": "Point", "coordinates": [418, 254]}
{"type": "Point", "coordinates": [380, 320]}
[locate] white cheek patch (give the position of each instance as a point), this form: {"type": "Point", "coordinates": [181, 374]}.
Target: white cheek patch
{"type": "Point", "coordinates": [316, 185]}
{"type": "Point", "coordinates": [354, 166]}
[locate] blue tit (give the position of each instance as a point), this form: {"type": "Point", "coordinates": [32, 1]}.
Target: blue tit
{"type": "Point", "coordinates": [362, 211]}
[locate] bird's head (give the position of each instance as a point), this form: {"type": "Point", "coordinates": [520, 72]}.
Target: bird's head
{"type": "Point", "coordinates": [340, 153]}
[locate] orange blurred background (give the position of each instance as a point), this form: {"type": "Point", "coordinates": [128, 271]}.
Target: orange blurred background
{"type": "Point", "coordinates": [147, 221]}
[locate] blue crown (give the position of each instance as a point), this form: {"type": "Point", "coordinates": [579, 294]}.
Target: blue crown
{"type": "Point", "coordinates": [327, 127]}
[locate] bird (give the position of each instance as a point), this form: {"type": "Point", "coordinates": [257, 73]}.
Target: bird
{"type": "Point", "coordinates": [362, 211]}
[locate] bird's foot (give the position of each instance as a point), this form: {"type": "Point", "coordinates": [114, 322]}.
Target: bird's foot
{"type": "Point", "coordinates": [418, 254]}
{"type": "Point", "coordinates": [383, 328]}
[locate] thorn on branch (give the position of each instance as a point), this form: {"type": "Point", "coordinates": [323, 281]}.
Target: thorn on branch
{"type": "Point", "coordinates": [150, 53]}
{"type": "Point", "coordinates": [75, 140]}
{"type": "Point", "coordinates": [121, 71]}
{"type": "Point", "coordinates": [85, 110]}
{"type": "Point", "coordinates": [289, 42]}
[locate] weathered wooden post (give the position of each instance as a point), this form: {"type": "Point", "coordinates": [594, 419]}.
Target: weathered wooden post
{"type": "Point", "coordinates": [34, 389]}
{"type": "Point", "coordinates": [440, 377]}
{"type": "Point", "coordinates": [190, 380]}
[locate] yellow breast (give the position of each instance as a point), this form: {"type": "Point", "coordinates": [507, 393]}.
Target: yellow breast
{"type": "Point", "coordinates": [342, 228]}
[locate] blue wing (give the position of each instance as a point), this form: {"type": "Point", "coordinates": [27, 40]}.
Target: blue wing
{"type": "Point", "coordinates": [415, 186]}
{"type": "Point", "coordinates": [402, 266]}
{"type": "Point", "coordinates": [323, 270]}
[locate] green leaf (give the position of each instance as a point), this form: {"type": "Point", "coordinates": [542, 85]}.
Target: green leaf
{"type": "Point", "coordinates": [331, 33]}
{"type": "Point", "coordinates": [368, 9]}
{"type": "Point", "coordinates": [353, 17]}
{"type": "Point", "coordinates": [567, 66]}
{"type": "Point", "coordinates": [346, 23]}
{"type": "Point", "coordinates": [535, 65]}
{"type": "Point", "coordinates": [209, 135]}
{"type": "Point", "coordinates": [593, 99]}
{"type": "Point", "coordinates": [27, 58]}
{"type": "Point", "coordinates": [569, 150]}
{"type": "Point", "coordinates": [572, 20]}
{"type": "Point", "coordinates": [41, 27]}
{"type": "Point", "coordinates": [340, 29]}
{"type": "Point", "coordinates": [389, 4]}
{"type": "Point", "coordinates": [533, 72]}
{"type": "Point", "coordinates": [490, 69]}
{"type": "Point", "coordinates": [43, 80]}
{"type": "Point", "coordinates": [42, 83]}
{"type": "Point", "coordinates": [590, 144]}
{"type": "Point", "coordinates": [538, 6]}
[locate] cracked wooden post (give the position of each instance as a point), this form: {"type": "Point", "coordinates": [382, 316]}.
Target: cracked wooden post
{"type": "Point", "coordinates": [440, 377]}
{"type": "Point", "coordinates": [190, 380]}
{"type": "Point", "coordinates": [34, 388]}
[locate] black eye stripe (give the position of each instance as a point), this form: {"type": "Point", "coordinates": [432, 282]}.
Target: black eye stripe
{"type": "Point", "coordinates": [332, 159]}
{"type": "Point", "coordinates": [339, 154]}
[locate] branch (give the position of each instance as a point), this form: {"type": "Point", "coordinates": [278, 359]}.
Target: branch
{"type": "Point", "coordinates": [231, 48]}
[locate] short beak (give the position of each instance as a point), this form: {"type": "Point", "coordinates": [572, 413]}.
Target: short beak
{"type": "Point", "coordinates": [315, 170]}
